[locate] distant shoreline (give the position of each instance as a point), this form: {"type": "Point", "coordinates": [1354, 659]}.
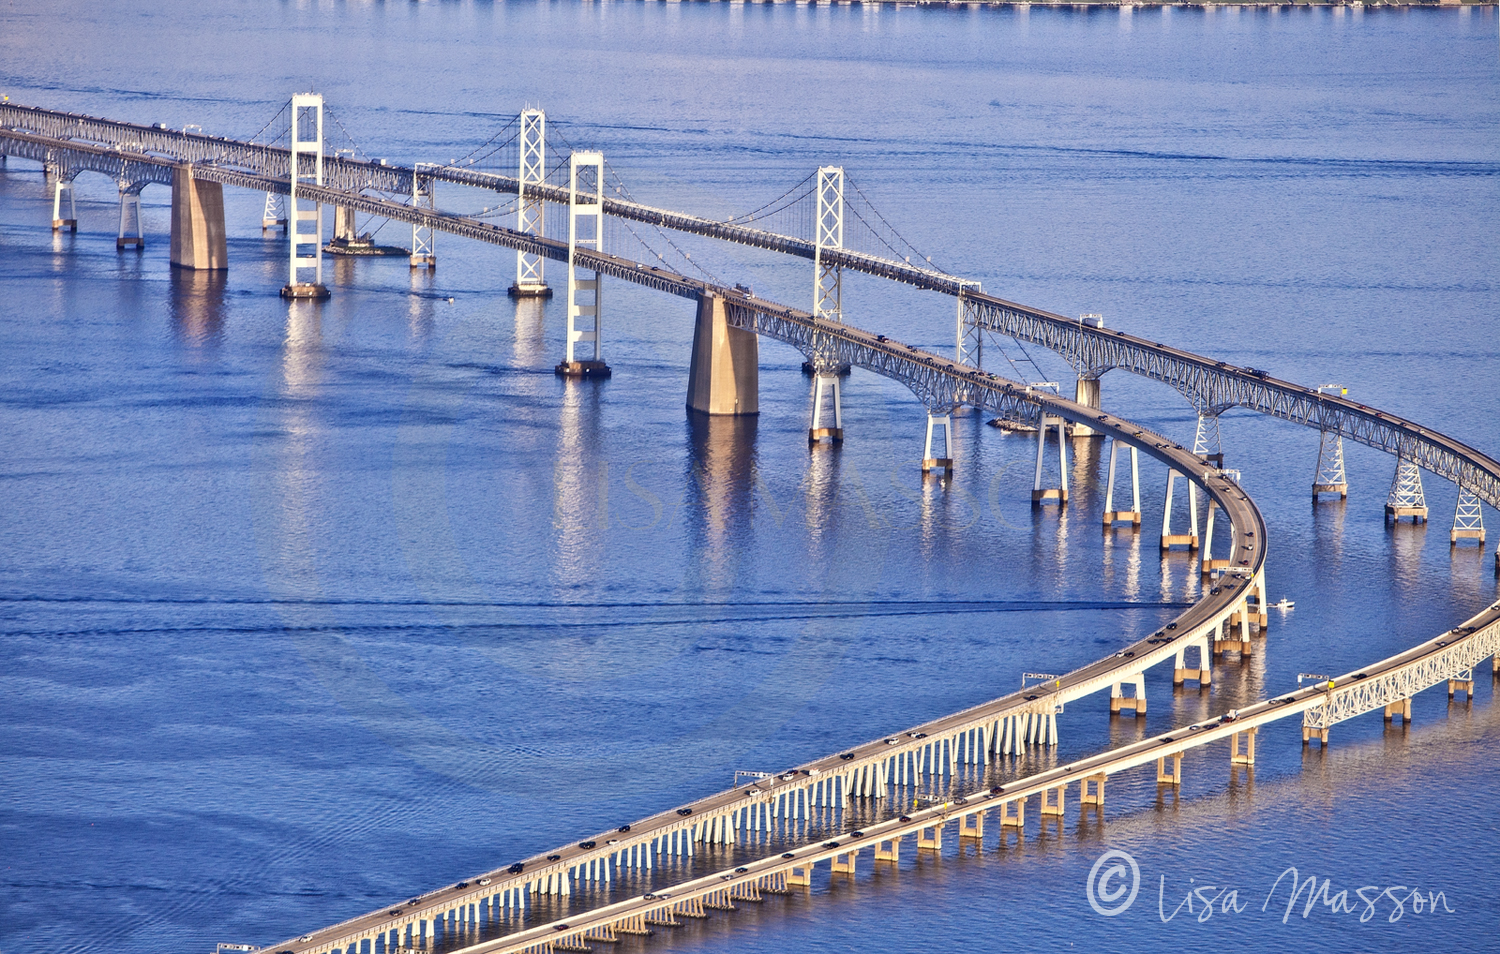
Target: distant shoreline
{"type": "Point", "coordinates": [1137, 4]}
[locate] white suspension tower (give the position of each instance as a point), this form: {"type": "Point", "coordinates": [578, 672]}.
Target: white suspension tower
{"type": "Point", "coordinates": [827, 301]}
{"type": "Point", "coordinates": [306, 169]}
{"type": "Point", "coordinates": [423, 238]}
{"type": "Point", "coordinates": [531, 211]}
{"type": "Point", "coordinates": [585, 230]}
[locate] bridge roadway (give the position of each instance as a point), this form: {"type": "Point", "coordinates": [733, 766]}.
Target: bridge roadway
{"type": "Point", "coordinates": [1476, 639]}
{"type": "Point", "coordinates": [936, 746]}
{"type": "Point", "coordinates": [132, 152]}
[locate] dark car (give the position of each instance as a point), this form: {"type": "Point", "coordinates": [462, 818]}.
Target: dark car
{"type": "Point", "coordinates": [788, 854]}
{"type": "Point", "coordinates": [623, 828]}
{"type": "Point", "coordinates": [830, 844]}
{"type": "Point", "coordinates": [516, 868]}
{"type": "Point", "coordinates": [462, 884]}
{"type": "Point", "coordinates": [396, 913]}
{"type": "Point", "coordinates": [585, 845]}
{"type": "Point", "coordinates": [741, 870]}
{"type": "Point", "coordinates": [684, 811]}
{"type": "Point", "coordinates": [847, 756]}
{"type": "Point", "coordinates": [856, 834]}
{"type": "Point", "coordinates": [554, 857]}
{"type": "Point", "coordinates": [904, 818]}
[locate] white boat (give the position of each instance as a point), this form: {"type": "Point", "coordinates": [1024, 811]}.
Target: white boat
{"type": "Point", "coordinates": [1285, 604]}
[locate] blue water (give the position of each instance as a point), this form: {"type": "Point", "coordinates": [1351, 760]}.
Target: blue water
{"type": "Point", "coordinates": [305, 610]}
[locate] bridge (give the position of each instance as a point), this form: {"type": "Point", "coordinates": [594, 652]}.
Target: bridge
{"type": "Point", "coordinates": [730, 320]}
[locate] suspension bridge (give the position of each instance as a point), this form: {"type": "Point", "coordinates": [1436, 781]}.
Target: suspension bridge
{"type": "Point", "coordinates": [499, 911]}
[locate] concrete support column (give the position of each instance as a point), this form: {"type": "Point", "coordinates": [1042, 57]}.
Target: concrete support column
{"type": "Point", "coordinates": [1137, 703]}
{"type": "Point", "coordinates": [1055, 800]}
{"type": "Point", "coordinates": [1401, 707]}
{"type": "Point", "coordinates": [724, 373]}
{"type": "Point", "coordinates": [930, 839]}
{"type": "Point", "coordinates": [1168, 538]}
{"type": "Point", "coordinates": [1091, 790]}
{"type": "Point", "coordinates": [930, 462]}
{"type": "Point", "coordinates": [971, 826]}
{"type": "Point", "coordinates": [1133, 515]}
{"type": "Point", "coordinates": [1040, 494]}
{"type": "Point", "coordinates": [131, 231]}
{"type": "Point", "coordinates": [344, 229]}
{"type": "Point", "coordinates": [198, 234]}
{"type": "Point", "coordinates": [1169, 769]}
{"type": "Point", "coordinates": [1087, 394]}
{"type": "Point", "coordinates": [826, 381]}
{"type": "Point", "coordinates": [64, 187]}
{"type": "Point", "coordinates": [1243, 753]}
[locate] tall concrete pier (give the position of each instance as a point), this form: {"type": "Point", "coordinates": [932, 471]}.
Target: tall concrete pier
{"type": "Point", "coordinates": [724, 377]}
{"type": "Point", "coordinates": [197, 222]}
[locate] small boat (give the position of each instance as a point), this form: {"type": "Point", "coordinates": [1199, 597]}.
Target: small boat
{"type": "Point", "coordinates": [1285, 604]}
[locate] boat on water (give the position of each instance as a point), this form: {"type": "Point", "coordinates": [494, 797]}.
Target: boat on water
{"type": "Point", "coordinates": [1285, 604]}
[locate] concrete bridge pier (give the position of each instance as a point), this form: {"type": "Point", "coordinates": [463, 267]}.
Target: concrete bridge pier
{"type": "Point", "coordinates": [198, 234]}
{"type": "Point", "coordinates": [131, 231]}
{"type": "Point", "coordinates": [1040, 494]}
{"type": "Point", "coordinates": [826, 382]}
{"type": "Point", "coordinates": [724, 373]}
{"type": "Point", "coordinates": [64, 186]}
{"type": "Point", "coordinates": [1203, 674]}
{"type": "Point", "coordinates": [944, 463]}
{"type": "Point", "coordinates": [1168, 538]}
{"type": "Point", "coordinates": [1136, 703]}
{"type": "Point", "coordinates": [1087, 393]}
{"type": "Point", "coordinates": [1209, 564]}
{"type": "Point", "coordinates": [1133, 515]}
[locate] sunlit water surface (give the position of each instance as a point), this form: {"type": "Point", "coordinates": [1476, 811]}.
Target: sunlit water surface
{"type": "Point", "coordinates": [307, 610]}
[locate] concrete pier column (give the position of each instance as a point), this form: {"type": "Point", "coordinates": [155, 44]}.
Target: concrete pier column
{"type": "Point", "coordinates": [1040, 494]}
{"type": "Point", "coordinates": [1168, 538]}
{"type": "Point", "coordinates": [944, 463]}
{"type": "Point", "coordinates": [198, 235]}
{"type": "Point", "coordinates": [825, 381]}
{"type": "Point", "coordinates": [131, 231]}
{"type": "Point", "coordinates": [1055, 800]}
{"type": "Point", "coordinates": [724, 374]}
{"type": "Point", "coordinates": [344, 229]}
{"type": "Point", "coordinates": [1133, 515]}
{"type": "Point", "coordinates": [1243, 753]}
{"type": "Point", "coordinates": [1087, 394]}
{"type": "Point", "coordinates": [1209, 564]}
{"type": "Point", "coordinates": [64, 187]}
{"type": "Point", "coordinates": [1137, 703]}
{"type": "Point", "coordinates": [1091, 790]}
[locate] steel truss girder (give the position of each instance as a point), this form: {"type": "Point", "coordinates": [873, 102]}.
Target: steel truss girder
{"type": "Point", "coordinates": [1346, 702]}
{"type": "Point", "coordinates": [1214, 387]}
